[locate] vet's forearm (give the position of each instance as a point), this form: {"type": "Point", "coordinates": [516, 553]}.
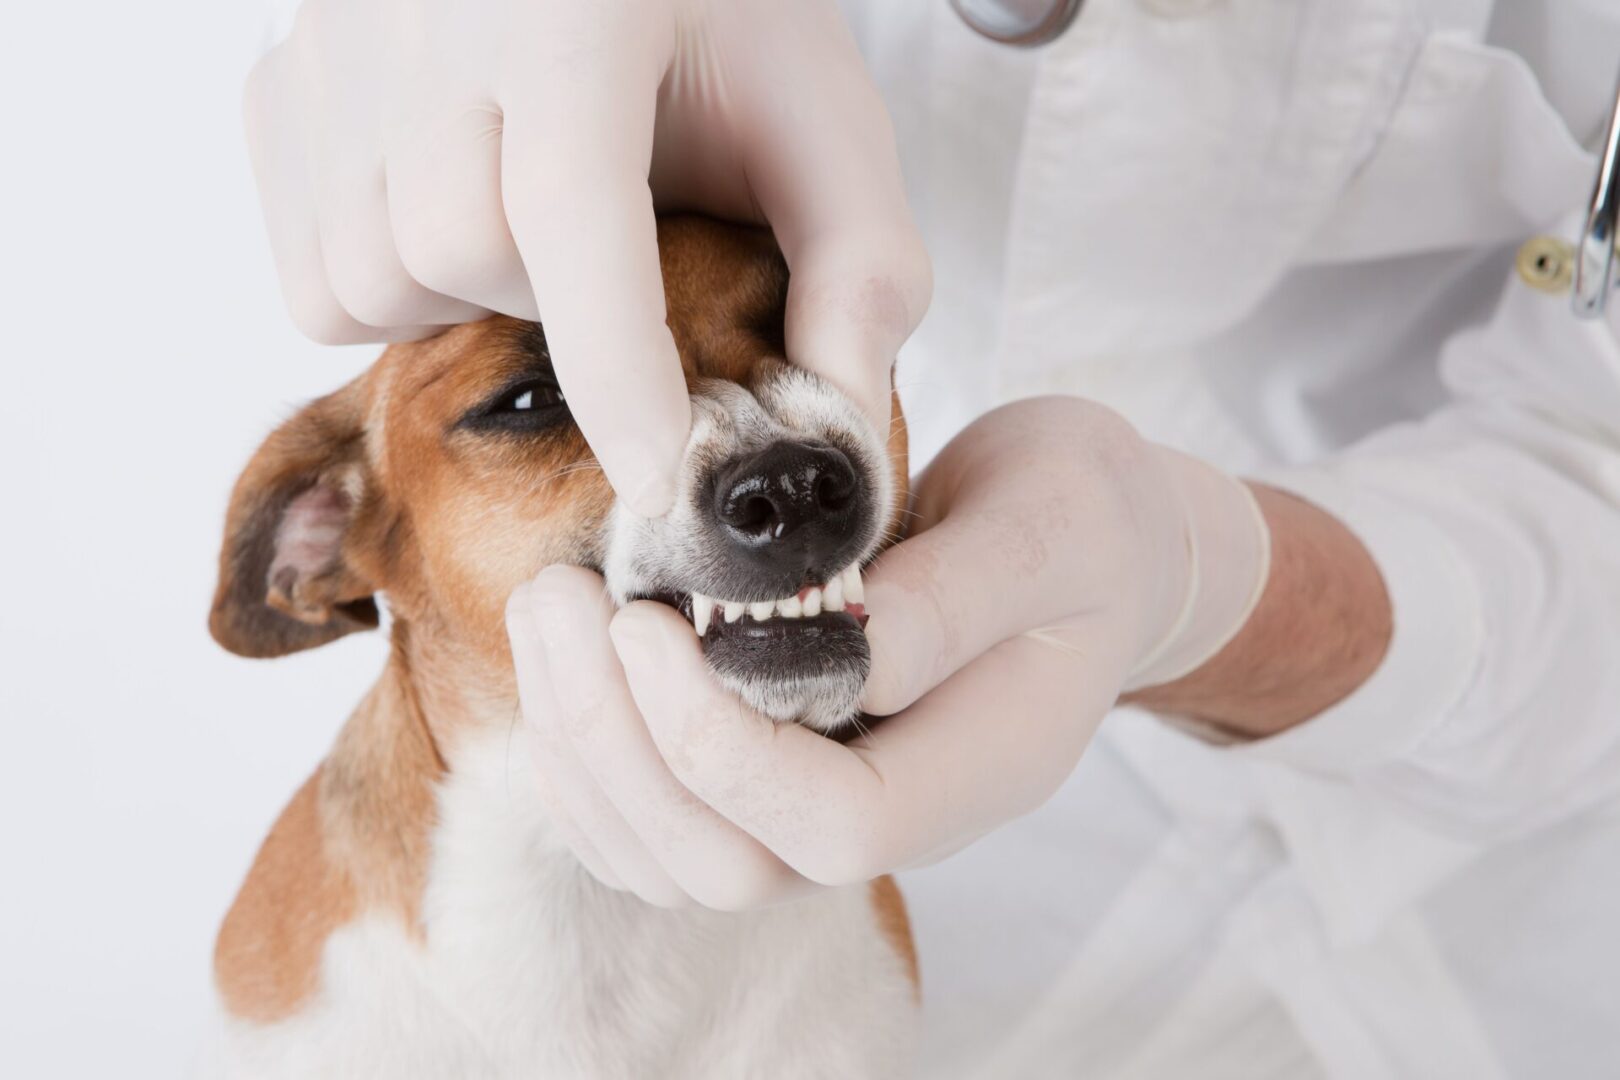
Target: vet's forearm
{"type": "Point", "coordinates": [1320, 629]}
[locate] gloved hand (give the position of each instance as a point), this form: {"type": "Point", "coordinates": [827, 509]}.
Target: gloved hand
{"type": "Point", "coordinates": [424, 162]}
{"type": "Point", "coordinates": [1056, 559]}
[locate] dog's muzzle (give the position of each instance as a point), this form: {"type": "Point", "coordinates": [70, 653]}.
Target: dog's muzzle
{"type": "Point", "coordinates": [782, 502]}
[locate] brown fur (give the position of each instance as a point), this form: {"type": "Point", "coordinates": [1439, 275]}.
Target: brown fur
{"type": "Point", "coordinates": [890, 907]}
{"type": "Point", "coordinates": [447, 524]}
{"type": "Point", "coordinates": [355, 838]}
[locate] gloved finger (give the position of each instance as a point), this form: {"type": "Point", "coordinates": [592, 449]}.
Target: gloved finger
{"type": "Point", "coordinates": [992, 742]}
{"type": "Point", "coordinates": [444, 202]}
{"type": "Point", "coordinates": [362, 262]}
{"type": "Point", "coordinates": [565, 777]}
{"type": "Point", "coordinates": [575, 150]}
{"type": "Point", "coordinates": [714, 861]}
{"type": "Point", "coordinates": [945, 596]}
{"type": "Point", "coordinates": [343, 89]}
{"type": "Point", "coordinates": [1020, 717]}
{"type": "Point", "coordinates": [277, 146]}
{"type": "Point", "coordinates": [994, 557]}
{"type": "Point", "coordinates": [828, 180]}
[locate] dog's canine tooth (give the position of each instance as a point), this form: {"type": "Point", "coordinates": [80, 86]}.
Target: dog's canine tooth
{"type": "Point", "coordinates": [734, 610]}
{"type": "Point", "coordinates": [812, 603]}
{"type": "Point", "coordinates": [702, 611]}
{"type": "Point", "coordinates": [762, 610]}
{"type": "Point", "coordinates": [832, 595]}
{"type": "Point", "coordinates": [854, 588]}
{"type": "Point", "coordinates": [789, 607]}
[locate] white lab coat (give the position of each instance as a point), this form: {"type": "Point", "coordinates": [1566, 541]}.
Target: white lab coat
{"type": "Point", "coordinates": [1280, 234]}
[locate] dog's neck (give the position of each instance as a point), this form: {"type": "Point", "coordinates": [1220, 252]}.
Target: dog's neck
{"type": "Point", "coordinates": [449, 690]}
{"type": "Point", "coordinates": [398, 745]}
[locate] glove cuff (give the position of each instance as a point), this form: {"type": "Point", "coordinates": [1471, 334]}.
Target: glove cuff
{"type": "Point", "coordinates": [1228, 546]}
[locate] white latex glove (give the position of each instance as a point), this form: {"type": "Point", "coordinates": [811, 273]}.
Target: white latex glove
{"type": "Point", "coordinates": [424, 162]}
{"type": "Point", "coordinates": [1056, 559]}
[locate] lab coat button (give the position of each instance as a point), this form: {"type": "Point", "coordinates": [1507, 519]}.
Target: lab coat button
{"type": "Point", "coordinates": [1546, 263]}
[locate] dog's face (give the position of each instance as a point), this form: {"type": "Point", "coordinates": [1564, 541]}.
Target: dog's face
{"type": "Point", "coordinates": [451, 472]}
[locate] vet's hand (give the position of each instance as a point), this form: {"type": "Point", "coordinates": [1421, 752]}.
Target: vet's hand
{"type": "Point", "coordinates": [426, 162]}
{"type": "Point", "coordinates": [1057, 558]}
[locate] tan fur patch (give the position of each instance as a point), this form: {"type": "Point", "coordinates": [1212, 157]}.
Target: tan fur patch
{"type": "Point", "coordinates": [267, 957]}
{"type": "Point", "coordinates": [895, 925]}
{"type": "Point", "coordinates": [355, 838]}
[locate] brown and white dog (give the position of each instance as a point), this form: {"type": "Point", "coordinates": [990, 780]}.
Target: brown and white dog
{"type": "Point", "coordinates": [412, 913]}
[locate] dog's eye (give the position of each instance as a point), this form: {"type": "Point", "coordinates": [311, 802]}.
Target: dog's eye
{"type": "Point", "coordinates": [535, 395]}
{"type": "Point", "coordinates": [532, 405]}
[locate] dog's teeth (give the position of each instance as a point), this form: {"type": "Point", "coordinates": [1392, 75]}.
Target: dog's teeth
{"type": "Point", "coordinates": [734, 610]}
{"type": "Point", "coordinates": [812, 603]}
{"type": "Point", "coordinates": [762, 610]}
{"type": "Point", "coordinates": [789, 608]}
{"type": "Point", "coordinates": [702, 610]}
{"type": "Point", "coordinates": [832, 595]}
{"type": "Point", "coordinates": [854, 590]}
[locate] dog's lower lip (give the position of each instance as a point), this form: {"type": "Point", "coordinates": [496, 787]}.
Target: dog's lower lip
{"type": "Point", "coordinates": [795, 668]}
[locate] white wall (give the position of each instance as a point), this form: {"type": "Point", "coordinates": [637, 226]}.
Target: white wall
{"type": "Point", "coordinates": [143, 353]}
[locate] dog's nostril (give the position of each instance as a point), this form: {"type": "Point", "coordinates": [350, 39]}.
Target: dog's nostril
{"type": "Point", "coordinates": [835, 492]}
{"type": "Point", "coordinates": [755, 514]}
{"type": "Point", "coordinates": [785, 489]}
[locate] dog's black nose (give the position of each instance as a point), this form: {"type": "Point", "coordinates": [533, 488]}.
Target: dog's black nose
{"type": "Point", "coordinates": [793, 509]}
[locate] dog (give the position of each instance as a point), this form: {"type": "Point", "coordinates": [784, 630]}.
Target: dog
{"type": "Point", "coordinates": [412, 913]}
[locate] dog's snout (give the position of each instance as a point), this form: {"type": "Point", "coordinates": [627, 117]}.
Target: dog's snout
{"type": "Point", "coordinates": [791, 508]}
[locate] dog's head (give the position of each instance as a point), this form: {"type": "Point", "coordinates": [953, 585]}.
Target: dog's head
{"type": "Point", "coordinates": [451, 472]}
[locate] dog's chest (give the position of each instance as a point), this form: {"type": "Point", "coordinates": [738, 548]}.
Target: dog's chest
{"type": "Point", "coordinates": [531, 968]}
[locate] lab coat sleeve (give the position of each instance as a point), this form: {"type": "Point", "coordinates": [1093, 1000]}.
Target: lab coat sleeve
{"type": "Point", "coordinates": [1496, 524]}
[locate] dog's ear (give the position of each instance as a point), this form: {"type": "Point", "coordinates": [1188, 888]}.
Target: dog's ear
{"type": "Point", "coordinates": [285, 583]}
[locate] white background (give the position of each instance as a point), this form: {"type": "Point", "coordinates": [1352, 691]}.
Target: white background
{"type": "Point", "coordinates": [144, 353]}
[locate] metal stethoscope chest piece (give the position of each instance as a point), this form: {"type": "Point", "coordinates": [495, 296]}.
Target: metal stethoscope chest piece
{"type": "Point", "coordinates": [1018, 22]}
{"type": "Point", "coordinates": [1585, 268]}
{"type": "Point", "coordinates": [1595, 253]}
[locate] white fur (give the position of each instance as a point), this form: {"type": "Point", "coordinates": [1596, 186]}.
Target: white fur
{"type": "Point", "coordinates": [530, 968]}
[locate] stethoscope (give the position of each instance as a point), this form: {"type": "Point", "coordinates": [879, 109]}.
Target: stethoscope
{"type": "Point", "coordinates": [1018, 22]}
{"type": "Point", "coordinates": [1596, 253]}
{"type": "Point", "coordinates": [1552, 264]}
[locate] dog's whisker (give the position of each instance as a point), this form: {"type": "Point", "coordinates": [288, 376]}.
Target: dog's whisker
{"type": "Point", "coordinates": [580, 466]}
{"type": "Point", "coordinates": [865, 733]}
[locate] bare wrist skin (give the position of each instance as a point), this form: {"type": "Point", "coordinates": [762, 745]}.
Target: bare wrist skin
{"type": "Point", "coordinates": [1320, 630]}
